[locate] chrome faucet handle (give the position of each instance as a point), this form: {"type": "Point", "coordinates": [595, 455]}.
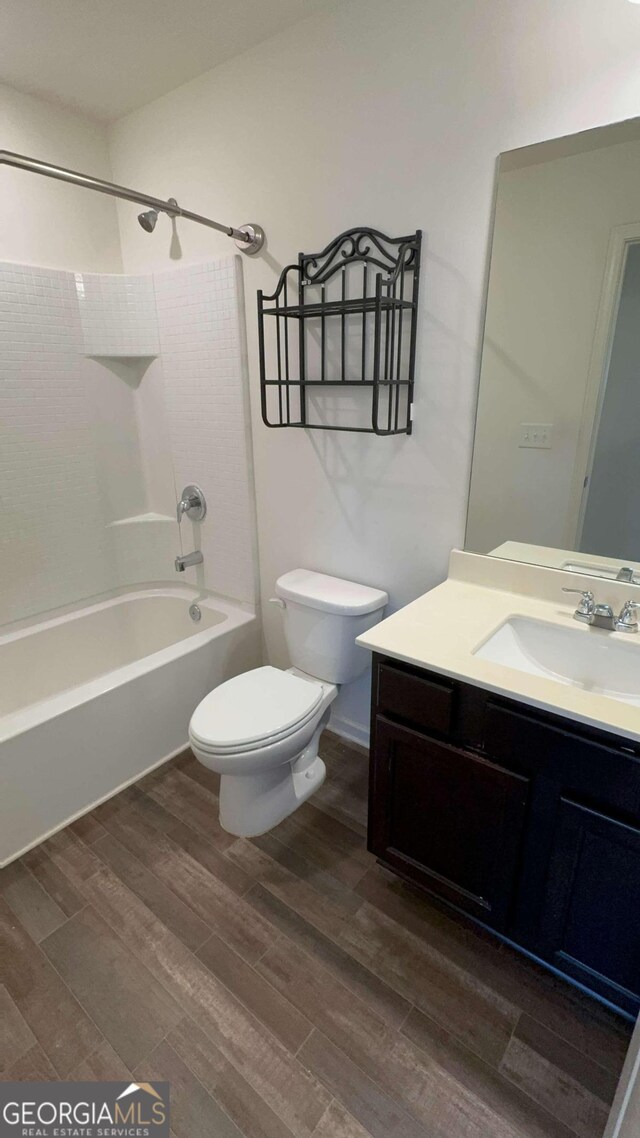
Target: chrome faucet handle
{"type": "Point", "coordinates": [627, 621]}
{"type": "Point", "coordinates": [586, 605]}
{"type": "Point", "coordinates": [185, 505]}
{"type": "Point", "coordinates": [192, 503]}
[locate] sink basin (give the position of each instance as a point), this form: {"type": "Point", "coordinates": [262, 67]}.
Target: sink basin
{"type": "Point", "coordinates": [586, 658]}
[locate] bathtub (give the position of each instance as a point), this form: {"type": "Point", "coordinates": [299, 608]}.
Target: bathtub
{"type": "Point", "coordinates": [95, 696]}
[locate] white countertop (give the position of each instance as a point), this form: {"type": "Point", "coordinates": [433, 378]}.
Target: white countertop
{"type": "Point", "coordinates": [592, 564]}
{"type": "Point", "coordinates": [441, 630]}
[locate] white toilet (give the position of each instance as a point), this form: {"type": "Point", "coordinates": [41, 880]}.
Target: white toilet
{"type": "Point", "coordinates": [260, 731]}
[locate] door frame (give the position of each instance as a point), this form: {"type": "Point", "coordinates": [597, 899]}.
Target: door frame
{"type": "Point", "coordinates": [625, 1111]}
{"type": "Point", "coordinates": [621, 237]}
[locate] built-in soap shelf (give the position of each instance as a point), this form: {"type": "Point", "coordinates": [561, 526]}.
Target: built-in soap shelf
{"type": "Point", "coordinates": [144, 519]}
{"type": "Point", "coordinates": [121, 357]}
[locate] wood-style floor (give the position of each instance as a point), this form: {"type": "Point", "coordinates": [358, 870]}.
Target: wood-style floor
{"type": "Point", "coordinates": [285, 985]}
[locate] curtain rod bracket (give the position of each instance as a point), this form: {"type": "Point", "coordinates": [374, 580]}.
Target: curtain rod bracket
{"type": "Point", "coordinates": [254, 239]}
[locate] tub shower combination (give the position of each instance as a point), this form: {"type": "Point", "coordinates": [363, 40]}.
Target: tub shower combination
{"type": "Point", "coordinates": [116, 391]}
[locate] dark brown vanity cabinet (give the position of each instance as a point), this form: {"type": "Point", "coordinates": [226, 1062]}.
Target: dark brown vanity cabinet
{"type": "Point", "coordinates": [590, 923]}
{"type": "Point", "coordinates": [522, 820]}
{"type": "Point", "coordinates": [435, 805]}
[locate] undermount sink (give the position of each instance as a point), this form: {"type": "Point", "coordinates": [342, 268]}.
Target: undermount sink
{"type": "Point", "coordinates": [585, 658]}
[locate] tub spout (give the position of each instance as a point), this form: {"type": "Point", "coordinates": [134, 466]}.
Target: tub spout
{"type": "Point", "coordinates": [186, 560]}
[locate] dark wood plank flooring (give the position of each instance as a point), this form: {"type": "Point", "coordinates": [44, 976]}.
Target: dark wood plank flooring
{"type": "Point", "coordinates": [285, 986]}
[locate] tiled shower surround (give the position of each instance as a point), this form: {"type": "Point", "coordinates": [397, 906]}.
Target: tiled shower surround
{"type": "Point", "coordinates": [207, 405]}
{"type": "Point", "coordinates": [117, 315]}
{"type": "Point", "coordinates": [115, 392]}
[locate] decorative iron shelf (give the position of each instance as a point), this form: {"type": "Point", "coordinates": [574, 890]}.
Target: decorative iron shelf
{"type": "Point", "coordinates": [345, 321]}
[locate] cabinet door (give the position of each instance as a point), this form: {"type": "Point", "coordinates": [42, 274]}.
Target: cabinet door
{"type": "Point", "coordinates": [591, 916]}
{"type": "Point", "coordinates": [448, 819]}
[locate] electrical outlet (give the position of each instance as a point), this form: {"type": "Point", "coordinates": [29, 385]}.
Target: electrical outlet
{"type": "Point", "coordinates": [537, 435]}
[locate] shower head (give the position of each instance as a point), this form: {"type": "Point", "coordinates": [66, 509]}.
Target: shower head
{"type": "Point", "coordinates": [148, 220]}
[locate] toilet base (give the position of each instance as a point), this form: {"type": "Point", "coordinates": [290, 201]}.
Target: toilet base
{"type": "Point", "coordinates": [252, 804]}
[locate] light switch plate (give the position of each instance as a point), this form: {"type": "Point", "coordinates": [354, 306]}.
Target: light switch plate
{"type": "Point", "coordinates": [537, 435]}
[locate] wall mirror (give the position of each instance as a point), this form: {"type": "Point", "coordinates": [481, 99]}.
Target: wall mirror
{"type": "Point", "coordinates": [556, 462]}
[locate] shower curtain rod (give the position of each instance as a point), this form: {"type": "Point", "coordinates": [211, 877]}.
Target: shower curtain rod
{"type": "Point", "coordinates": [248, 238]}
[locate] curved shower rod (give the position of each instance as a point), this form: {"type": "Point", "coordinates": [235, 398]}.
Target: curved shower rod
{"type": "Point", "coordinates": [248, 238]}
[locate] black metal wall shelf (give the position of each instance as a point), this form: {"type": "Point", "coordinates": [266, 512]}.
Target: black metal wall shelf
{"type": "Point", "coordinates": [344, 322]}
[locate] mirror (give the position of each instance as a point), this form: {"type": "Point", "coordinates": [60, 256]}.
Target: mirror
{"type": "Point", "coordinates": [556, 463]}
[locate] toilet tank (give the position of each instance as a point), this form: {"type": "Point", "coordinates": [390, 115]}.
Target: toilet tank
{"type": "Point", "coordinates": [322, 617]}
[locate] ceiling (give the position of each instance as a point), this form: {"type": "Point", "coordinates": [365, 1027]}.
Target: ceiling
{"type": "Point", "coordinates": [108, 57]}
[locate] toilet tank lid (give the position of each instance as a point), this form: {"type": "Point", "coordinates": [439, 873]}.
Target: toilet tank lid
{"type": "Point", "coordinates": [330, 594]}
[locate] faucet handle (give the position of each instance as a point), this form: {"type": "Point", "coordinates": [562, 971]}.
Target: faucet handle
{"type": "Point", "coordinates": [627, 622]}
{"type": "Point", "coordinates": [586, 604]}
{"type": "Point", "coordinates": [192, 503]}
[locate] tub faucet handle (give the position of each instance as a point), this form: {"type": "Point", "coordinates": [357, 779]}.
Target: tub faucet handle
{"type": "Point", "coordinates": [192, 503]}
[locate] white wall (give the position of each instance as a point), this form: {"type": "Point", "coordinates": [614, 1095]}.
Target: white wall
{"type": "Point", "coordinates": [553, 225]}
{"type": "Point", "coordinates": [390, 115]}
{"type": "Point", "coordinates": [45, 222]}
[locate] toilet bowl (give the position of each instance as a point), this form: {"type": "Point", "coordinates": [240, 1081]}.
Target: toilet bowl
{"type": "Point", "coordinates": [260, 731]}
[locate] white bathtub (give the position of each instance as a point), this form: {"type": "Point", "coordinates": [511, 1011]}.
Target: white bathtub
{"type": "Point", "coordinates": [92, 698]}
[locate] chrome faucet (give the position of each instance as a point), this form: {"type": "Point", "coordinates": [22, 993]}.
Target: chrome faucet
{"type": "Point", "coordinates": [627, 621]}
{"type": "Point", "coordinates": [192, 503]}
{"type": "Point", "coordinates": [186, 560]}
{"type": "Point", "coordinates": [601, 615]}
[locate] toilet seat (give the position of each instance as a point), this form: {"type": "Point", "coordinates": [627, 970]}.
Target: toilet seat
{"type": "Point", "coordinates": [254, 710]}
{"type": "Point", "coordinates": [249, 748]}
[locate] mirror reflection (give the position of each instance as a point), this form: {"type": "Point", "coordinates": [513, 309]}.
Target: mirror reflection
{"type": "Point", "coordinates": [556, 462]}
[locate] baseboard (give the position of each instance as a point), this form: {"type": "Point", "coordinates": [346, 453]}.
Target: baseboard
{"type": "Point", "coordinates": [353, 732]}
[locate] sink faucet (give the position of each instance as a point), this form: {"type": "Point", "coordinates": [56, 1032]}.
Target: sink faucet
{"type": "Point", "coordinates": [602, 616]}
{"type": "Point", "coordinates": [186, 560]}
{"type": "Point", "coordinates": [627, 621]}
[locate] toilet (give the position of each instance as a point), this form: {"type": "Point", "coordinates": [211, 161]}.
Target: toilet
{"type": "Point", "coordinates": [260, 730]}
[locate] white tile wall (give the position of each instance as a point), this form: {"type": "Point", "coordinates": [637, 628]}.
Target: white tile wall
{"type": "Point", "coordinates": [73, 431]}
{"type": "Point", "coordinates": [117, 314]}
{"type": "Point", "coordinates": [201, 321]}
{"type": "Point", "coordinates": [53, 543]}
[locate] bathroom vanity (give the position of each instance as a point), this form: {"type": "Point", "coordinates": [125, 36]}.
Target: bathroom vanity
{"type": "Point", "coordinates": [522, 813]}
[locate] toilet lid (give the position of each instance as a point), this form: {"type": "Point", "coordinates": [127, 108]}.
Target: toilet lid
{"type": "Point", "coordinates": [253, 706]}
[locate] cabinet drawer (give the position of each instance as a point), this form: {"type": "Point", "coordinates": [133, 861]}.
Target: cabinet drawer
{"type": "Point", "coordinates": [417, 700]}
{"type": "Point", "coordinates": [608, 774]}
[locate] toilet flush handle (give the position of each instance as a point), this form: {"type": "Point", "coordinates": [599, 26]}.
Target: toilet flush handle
{"type": "Point", "coordinates": [277, 601]}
